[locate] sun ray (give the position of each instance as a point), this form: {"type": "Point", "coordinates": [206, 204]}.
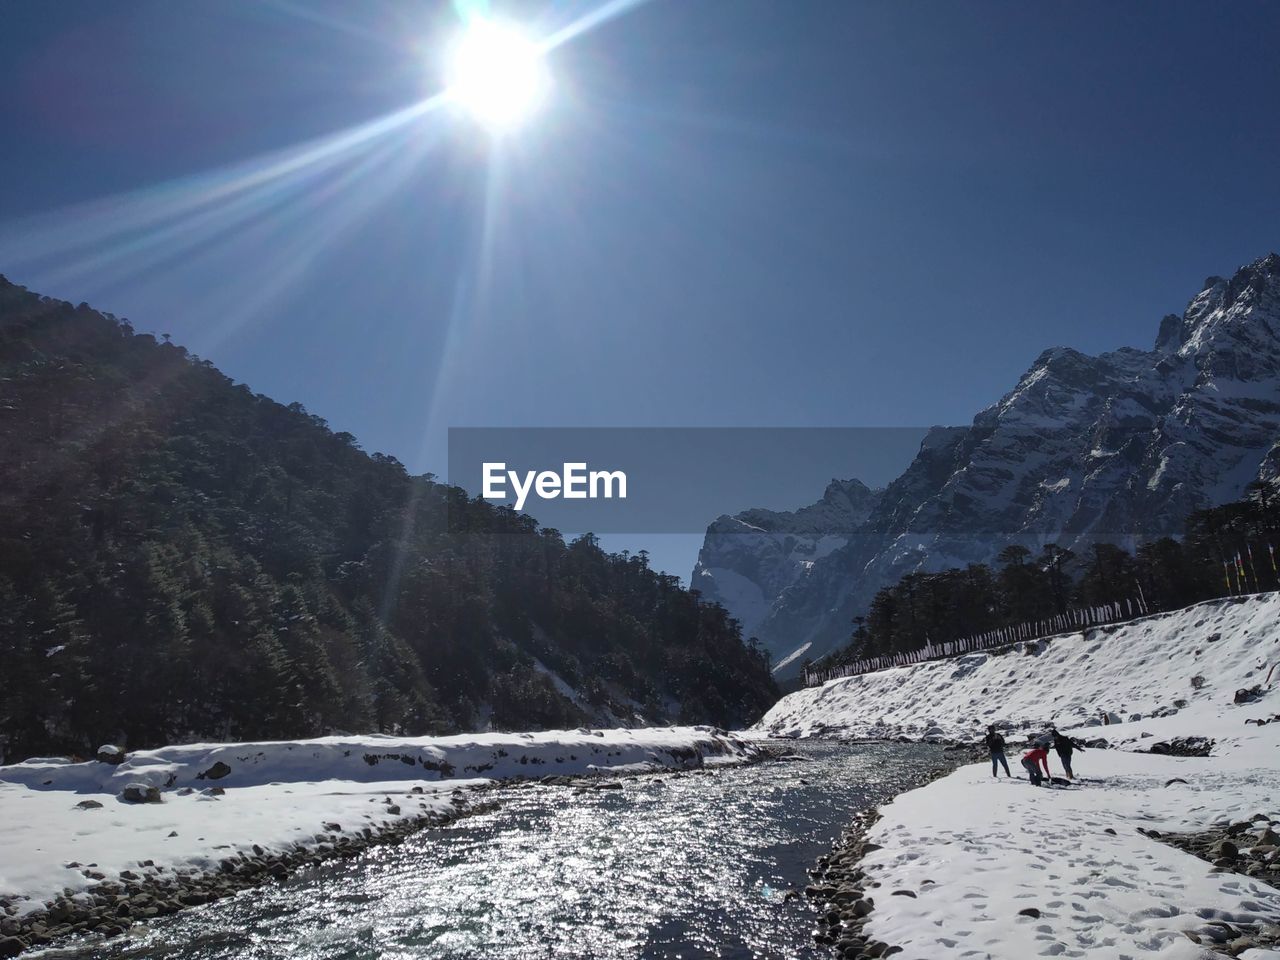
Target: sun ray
{"type": "Point", "coordinates": [117, 239]}
{"type": "Point", "coordinates": [90, 238]}
{"type": "Point", "coordinates": [85, 239]}
{"type": "Point", "coordinates": [596, 18]}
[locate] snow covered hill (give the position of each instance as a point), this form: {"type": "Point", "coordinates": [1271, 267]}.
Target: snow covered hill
{"type": "Point", "coordinates": [747, 560]}
{"type": "Point", "coordinates": [1191, 660]}
{"type": "Point", "coordinates": [1116, 446]}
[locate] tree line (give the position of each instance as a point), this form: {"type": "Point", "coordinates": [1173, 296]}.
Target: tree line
{"type": "Point", "coordinates": [1229, 549]}
{"type": "Point", "coordinates": [181, 558]}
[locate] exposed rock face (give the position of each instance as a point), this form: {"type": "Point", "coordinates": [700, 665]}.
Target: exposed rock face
{"type": "Point", "coordinates": [747, 560]}
{"type": "Point", "coordinates": [1118, 446]}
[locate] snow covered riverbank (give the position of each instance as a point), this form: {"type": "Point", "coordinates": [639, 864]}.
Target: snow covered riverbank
{"type": "Point", "coordinates": [1141, 668]}
{"type": "Point", "coordinates": [975, 852]}
{"type": "Point", "coordinates": [65, 830]}
{"type": "Point", "coordinates": [974, 866]}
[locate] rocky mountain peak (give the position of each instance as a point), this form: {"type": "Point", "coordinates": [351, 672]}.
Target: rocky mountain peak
{"type": "Point", "coordinates": [1245, 305]}
{"type": "Point", "coordinates": [1169, 339]}
{"type": "Point", "coordinates": [851, 495]}
{"type": "Point", "coordinates": [749, 559]}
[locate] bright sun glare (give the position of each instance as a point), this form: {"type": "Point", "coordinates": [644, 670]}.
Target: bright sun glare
{"type": "Point", "coordinates": [497, 74]}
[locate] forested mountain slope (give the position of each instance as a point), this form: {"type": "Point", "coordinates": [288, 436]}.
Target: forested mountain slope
{"type": "Point", "coordinates": [182, 558]}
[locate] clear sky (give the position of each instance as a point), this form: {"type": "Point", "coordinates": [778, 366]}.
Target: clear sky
{"type": "Point", "coordinates": [729, 212]}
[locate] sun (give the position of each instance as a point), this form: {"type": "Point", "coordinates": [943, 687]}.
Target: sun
{"type": "Point", "coordinates": [497, 74]}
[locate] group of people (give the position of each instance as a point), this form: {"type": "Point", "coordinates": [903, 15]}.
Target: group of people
{"type": "Point", "coordinates": [1036, 758]}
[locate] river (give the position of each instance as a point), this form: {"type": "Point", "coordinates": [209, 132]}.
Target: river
{"type": "Point", "coordinates": [689, 865]}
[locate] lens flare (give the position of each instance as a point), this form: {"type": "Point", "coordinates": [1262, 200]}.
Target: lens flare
{"type": "Point", "coordinates": [497, 74]}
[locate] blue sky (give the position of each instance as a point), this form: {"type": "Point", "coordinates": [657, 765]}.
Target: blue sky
{"type": "Point", "coordinates": [728, 213]}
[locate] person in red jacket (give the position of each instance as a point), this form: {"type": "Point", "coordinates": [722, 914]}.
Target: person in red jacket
{"type": "Point", "coordinates": [1032, 760]}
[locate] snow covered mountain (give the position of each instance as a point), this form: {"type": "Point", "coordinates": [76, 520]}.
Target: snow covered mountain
{"type": "Point", "coordinates": [747, 560]}
{"type": "Point", "coordinates": [1119, 446]}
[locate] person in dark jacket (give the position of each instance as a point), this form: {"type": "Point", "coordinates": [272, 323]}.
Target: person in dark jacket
{"type": "Point", "coordinates": [1065, 747]}
{"type": "Point", "coordinates": [1031, 761]}
{"type": "Point", "coordinates": [995, 744]}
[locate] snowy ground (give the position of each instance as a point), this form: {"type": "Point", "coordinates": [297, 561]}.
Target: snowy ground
{"type": "Point", "coordinates": [994, 847]}
{"type": "Point", "coordinates": [1130, 669]}
{"type": "Point", "coordinates": [279, 794]}
{"type": "Point", "coordinates": [975, 851]}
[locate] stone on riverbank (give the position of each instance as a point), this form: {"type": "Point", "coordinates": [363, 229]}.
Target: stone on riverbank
{"type": "Point", "coordinates": [841, 886]}
{"type": "Point", "coordinates": [112, 906]}
{"type": "Point", "coordinates": [140, 793]}
{"type": "Point", "coordinates": [1244, 846]}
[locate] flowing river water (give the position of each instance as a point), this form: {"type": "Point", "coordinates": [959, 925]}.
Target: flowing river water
{"type": "Point", "coordinates": [688, 865]}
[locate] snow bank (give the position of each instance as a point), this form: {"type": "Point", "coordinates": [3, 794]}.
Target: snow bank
{"type": "Point", "coordinates": [1129, 669]}
{"type": "Point", "coordinates": [962, 858]}
{"type": "Point", "coordinates": [370, 758]}
{"type": "Point", "coordinates": [279, 794]}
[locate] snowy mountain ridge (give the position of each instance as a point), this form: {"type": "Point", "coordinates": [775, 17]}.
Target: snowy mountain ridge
{"type": "Point", "coordinates": [749, 559]}
{"type": "Point", "coordinates": [1120, 446]}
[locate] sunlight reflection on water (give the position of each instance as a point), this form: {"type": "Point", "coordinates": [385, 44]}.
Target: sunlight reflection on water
{"type": "Point", "coordinates": [687, 866]}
